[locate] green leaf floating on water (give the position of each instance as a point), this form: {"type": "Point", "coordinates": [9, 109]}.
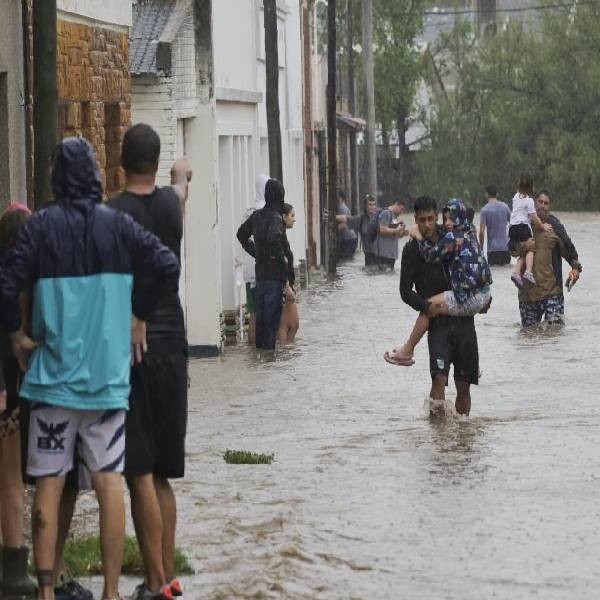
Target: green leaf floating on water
{"type": "Point", "coordinates": [242, 457]}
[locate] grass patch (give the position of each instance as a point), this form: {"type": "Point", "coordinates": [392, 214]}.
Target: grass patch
{"type": "Point", "coordinates": [82, 558]}
{"type": "Point", "coordinates": [242, 457]}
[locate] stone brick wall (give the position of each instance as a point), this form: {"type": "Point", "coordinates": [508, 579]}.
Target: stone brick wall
{"type": "Point", "coordinates": [94, 88]}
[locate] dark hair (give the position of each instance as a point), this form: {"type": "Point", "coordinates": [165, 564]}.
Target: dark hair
{"type": "Point", "coordinates": [423, 203]}
{"type": "Point", "coordinates": [491, 191]}
{"type": "Point", "coordinates": [398, 201]}
{"type": "Point", "coordinates": [545, 192]}
{"type": "Point", "coordinates": [368, 198]}
{"type": "Point", "coordinates": [470, 212]}
{"type": "Point", "coordinates": [141, 150]}
{"type": "Point", "coordinates": [10, 227]}
{"type": "Point", "coordinates": [341, 193]}
{"type": "Point", "coordinates": [526, 184]}
{"type": "Point", "coordinates": [287, 208]}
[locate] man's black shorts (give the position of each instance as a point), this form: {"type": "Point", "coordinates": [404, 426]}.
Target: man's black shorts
{"type": "Point", "coordinates": [498, 258]}
{"type": "Point", "coordinates": [156, 422]}
{"type": "Point", "coordinates": [453, 341]}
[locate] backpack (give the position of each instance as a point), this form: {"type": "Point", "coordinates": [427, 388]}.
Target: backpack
{"type": "Point", "coordinates": [373, 226]}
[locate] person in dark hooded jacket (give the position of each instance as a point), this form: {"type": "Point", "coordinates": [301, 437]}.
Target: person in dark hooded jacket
{"type": "Point", "coordinates": [263, 236]}
{"type": "Point", "coordinates": [81, 258]}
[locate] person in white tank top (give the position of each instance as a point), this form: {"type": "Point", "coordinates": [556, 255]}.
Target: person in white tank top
{"type": "Point", "coordinates": [522, 218]}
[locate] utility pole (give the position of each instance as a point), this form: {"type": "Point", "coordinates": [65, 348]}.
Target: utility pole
{"type": "Point", "coordinates": [45, 97]}
{"type": "Point", "coordinates": [352, 104]}
{"type": "Point", "coordinates": [369, 68]}
{"type": "Point", "coordinates": [27, 13]}
{"type": "Point", "coordinates": [331, 136]}
{"type": "Point", "coordinates": [272, 71]}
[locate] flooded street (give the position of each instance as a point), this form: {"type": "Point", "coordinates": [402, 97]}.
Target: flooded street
{"type": "Point", "coordinates": [367, 499]}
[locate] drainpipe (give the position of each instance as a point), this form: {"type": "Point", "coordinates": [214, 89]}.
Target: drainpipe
{"type": "Point", "coordinates": [45, 97]}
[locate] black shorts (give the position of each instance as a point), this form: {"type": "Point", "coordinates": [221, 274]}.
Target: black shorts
{"type": "Point", "coordinates": [385, 263]}
{"type": "Point", "coordinates": [347, 248]}
{"type": "Point", "coordinates": [453, 341]}
{"type": "Point", "coordinates": [519, 233]}
{"type": "Point", "coordinates": [156, 422]}
{"type": "Point", "coordinates": [370, 259]}
{"type": "Point", "coordinates": [498, 258]}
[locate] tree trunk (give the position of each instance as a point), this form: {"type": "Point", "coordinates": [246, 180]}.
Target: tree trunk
{"type": "Point", "coordinates": [45, 97]}
{"type": "Point", "coordinates": [387, 174]}
{"type": "Point", "coordinates": [371, 149]}
{"type": "Point", "coordinates": [27, 10]}
{"type": "Point", "coordinates": [403, 164]}
{"type": "Point", "coordinates": [272, 73]}
{"type": "Point", "coordinates": [331, 137]}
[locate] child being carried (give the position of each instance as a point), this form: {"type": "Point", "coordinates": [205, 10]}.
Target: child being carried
{"type": "Point", "coordinates": [521, 219]}
{"type": "Point", "coordinates": [470, 276]}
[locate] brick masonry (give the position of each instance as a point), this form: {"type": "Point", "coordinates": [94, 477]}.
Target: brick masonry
{"type": "Point", "coordinates": [94, 88]}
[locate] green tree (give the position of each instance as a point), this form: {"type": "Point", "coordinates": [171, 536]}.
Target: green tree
{"type": "Point", "coordinates": [398, 70]}
{"type": "Point", "coordinates": [526, 98]}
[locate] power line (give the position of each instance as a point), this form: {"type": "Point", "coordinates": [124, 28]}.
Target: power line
{"type": "Point", "coordinates": [442, 13]}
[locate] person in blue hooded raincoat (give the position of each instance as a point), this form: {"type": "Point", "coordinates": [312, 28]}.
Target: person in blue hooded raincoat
{"type": "Point", "coordinates": [470, 276]}
{"type": "Point", "coordinates": [80, 257]}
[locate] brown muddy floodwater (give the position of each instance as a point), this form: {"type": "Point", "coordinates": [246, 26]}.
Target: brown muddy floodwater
{"type": "Point", "coordinates": [368, 499]}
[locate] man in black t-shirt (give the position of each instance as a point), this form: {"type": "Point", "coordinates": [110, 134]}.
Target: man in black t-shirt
{"type": "Point", "coordinates": [451, 340]}
{"type": "Point", "coordinates": [157, 417]}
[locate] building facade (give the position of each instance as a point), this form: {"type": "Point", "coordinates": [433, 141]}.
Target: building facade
{"type": "Point", "coordinates": [93, 79]}
{"type": "Point", "coordinates": [198, 75]}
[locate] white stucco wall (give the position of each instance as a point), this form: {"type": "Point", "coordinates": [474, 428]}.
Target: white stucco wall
{"type": "Point", "coordinates": [242, 125]}
{"type": "Point", "coordinates": [153, 102]}
{"type": "Point", "coordinates": [12, 148]}
{"type": "Point", "coordinates": [201, 247]}
{"type": "Point", "coordinates": [226, 144]}
{"type": "Point", "coordinates": [234, 43]}
{"type": "Point", "coordinates": [186, 123]}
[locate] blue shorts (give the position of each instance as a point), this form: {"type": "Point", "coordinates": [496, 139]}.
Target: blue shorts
{"type": "Point", "coordinates": [551, 309]}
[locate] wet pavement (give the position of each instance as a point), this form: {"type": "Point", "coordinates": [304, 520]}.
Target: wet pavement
{"type": "Point", "coordinates": [368, 499]}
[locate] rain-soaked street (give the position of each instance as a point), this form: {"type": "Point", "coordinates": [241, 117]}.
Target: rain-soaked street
{"type": "Point", "coordinates": [369, 499]}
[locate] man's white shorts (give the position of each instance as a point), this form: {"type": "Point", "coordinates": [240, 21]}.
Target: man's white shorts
{"type": "Point", "coordinates": [57, 433]}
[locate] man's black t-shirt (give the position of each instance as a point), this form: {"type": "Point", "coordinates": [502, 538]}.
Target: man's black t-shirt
{"type": "Point", "coordinates": [420, 280]}
{"type": "Point", "coordinates": [160, 213]}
